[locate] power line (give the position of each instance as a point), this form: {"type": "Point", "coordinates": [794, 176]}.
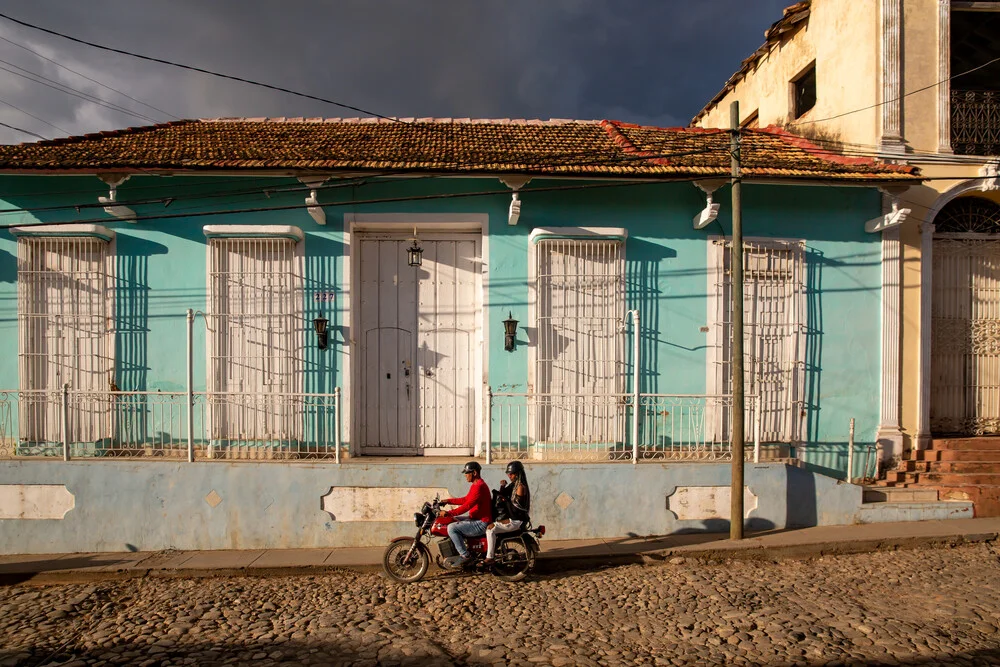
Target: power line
{"type": "Point", "coordinates": [364, 202]}
{"type": "Point", "coordinates": [80, 74]}
{"type": "Point", "coordinates": [28, 113]}
{"type": "Point", "coordinates": [201, 70]}
{"type": "Point", "coordinates": [69, 90]}
{"type": "Point", "coordinates": [23, 131]}
{"type": "Point", "coordinates": [896, 99]}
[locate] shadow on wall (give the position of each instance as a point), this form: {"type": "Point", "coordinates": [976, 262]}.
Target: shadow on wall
{"type": "Point", "coordinates": [8, 267]}
{"type": "Point", "coordinates": [814, 342]}
{"type": "Point", "coordinates": [132, 310]}
{"type": "Point", "coordinates": [324, 296]}
{"type": "Point", "coordinates": [722, 526]}
{"type": "Point", "coordinates": [800, 498]}
{"type": "Point", "coordinates": [643, 264]}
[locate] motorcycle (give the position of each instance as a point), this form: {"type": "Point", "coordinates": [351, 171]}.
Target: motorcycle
{"type": "Point", "coordinates": [407, 559]}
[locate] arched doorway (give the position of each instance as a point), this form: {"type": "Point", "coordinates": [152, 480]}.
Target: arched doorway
{"type": "Point", "coordinates": [965, 319]}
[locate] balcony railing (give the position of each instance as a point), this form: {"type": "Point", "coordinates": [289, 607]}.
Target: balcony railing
{"type": "Point", "coordinates": [975, 122]}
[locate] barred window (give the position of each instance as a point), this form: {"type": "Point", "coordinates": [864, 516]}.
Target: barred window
{"type": "Point", "coordinates": [64, 315]}
{"type": "Point", "coordinates": [774, 327]}
{"type": "Point", "coordinates": [579, 364]}
{"type": "Point", "coordinates": [254, 296]}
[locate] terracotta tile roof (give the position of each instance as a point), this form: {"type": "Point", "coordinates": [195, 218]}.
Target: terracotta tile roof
{"type": "Point", "coordinates": [596, 149]}
{"type": "Point", "coordinates": [790, 21]}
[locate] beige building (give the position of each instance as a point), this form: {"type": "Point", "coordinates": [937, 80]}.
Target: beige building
{"type": "Point", "coordinates": [915, 81]}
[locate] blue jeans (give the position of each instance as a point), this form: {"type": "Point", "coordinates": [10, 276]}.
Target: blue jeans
{"type": "Point", "coordinates": [459, 530]}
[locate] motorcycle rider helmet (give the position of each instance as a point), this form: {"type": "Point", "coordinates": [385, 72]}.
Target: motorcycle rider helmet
{"type": "Point", "coordinates": [515, 468]}
{"type": "Point", "coordinates": [472, 467]}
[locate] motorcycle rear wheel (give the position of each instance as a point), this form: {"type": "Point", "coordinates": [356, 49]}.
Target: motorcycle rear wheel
{"type": "Point", "coordinates": [393, 561]}
{"type": "Point", "coordinates": [514, 561]}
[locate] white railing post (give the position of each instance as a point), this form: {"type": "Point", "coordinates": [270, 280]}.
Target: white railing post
{"type": "Point", "coordinates": [850, 453]}
{"type": "Point", "coordinates": [336, 423]}
{"type": "Point", "coordinates": [65, 421]}
{"type": "Point", "coordinates": [635, 382]}
{"type": "Point", "coordinates": [489, 425]}
{"type": "Point", "coordinates": [190, 385]}
{"type": "Point", "coordinates": [756, 427]}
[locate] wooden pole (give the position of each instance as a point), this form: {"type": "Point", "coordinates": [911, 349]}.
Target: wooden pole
{"type": "Point", "coordinates": [736, 294]}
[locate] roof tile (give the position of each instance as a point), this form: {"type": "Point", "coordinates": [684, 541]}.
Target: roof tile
{"type": "Point", "coordinates": [466, 146]}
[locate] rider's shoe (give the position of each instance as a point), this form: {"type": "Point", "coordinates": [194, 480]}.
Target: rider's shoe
{"type": "Point", "coordinates": [457, 562]}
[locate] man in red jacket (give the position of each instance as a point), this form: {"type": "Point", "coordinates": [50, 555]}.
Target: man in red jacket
{"type": "Point", "coordinates": [475, 511]}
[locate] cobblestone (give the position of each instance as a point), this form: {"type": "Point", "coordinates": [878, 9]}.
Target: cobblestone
{"type": "Point", "coordinates": [921, 607]}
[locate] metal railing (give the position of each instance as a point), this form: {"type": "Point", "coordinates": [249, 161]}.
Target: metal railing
{"type": "Point", "coordinates": [975, 122]}
{"type": "Point", "coordinates": [173, 425]}
{"type": "Point", "coordinates": [681, 427]}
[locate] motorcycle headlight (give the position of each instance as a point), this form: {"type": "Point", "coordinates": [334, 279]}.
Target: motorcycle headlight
{"type": "Point", "coordinates": [418, 518]}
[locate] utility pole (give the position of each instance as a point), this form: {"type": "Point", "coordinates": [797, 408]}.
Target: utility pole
{"type": "Point", "coordinates": [736, 294]}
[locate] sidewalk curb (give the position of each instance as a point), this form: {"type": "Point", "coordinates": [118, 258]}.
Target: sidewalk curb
{"type": "Point", "coordinates": [545, 565]}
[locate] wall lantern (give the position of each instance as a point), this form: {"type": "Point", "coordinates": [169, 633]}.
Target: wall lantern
{"type": "Point", "coordinates": [509, 332]}
{"type": "Point", "coordinates": [322, 335]}
{"type": "Point", "coordinates": [413, 254]}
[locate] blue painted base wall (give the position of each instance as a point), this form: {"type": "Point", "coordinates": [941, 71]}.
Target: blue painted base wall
{"type": "Point", "coordinates": [150, 506]}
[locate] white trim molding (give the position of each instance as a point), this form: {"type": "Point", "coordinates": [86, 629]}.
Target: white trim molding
{"type": "Point", "coordinates": [944, 74]}
{"type": "Point", "coordinates": [891, 139]}
{"type": "Point", "coordinates": [890, 435]}
{"type": "Point", "coordinates": [98, 231]}
{"type": "Point", "coordinates": [253, 231]}
{"type": "Point", "coordinates": [923, 440]}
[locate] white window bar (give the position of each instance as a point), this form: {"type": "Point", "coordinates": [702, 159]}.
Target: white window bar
{"type": "Point", "coordinates": [774, 320]}
{"type": "Point", "coordinates": [254, 373]}
{"type": "Point", "coordinates": [65, 337]}
{"type": "Point", "coordinates": [580, 361]}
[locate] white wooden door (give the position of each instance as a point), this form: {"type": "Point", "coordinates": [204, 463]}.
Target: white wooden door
{"type": "Point", "coordinates": [418, 329]}
{"type": "Point", "coordinates": [448, 305]}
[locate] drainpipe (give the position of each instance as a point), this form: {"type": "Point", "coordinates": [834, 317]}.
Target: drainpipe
{"type": "Point", "coordinates": [190, 385]}
{"type": "Point", "coordinates": [489, 425]}
{"type": "Point", "coordinates": [634, 314]}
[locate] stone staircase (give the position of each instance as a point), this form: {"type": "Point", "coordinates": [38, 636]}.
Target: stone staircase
{"type": "Point", "coordinates": [966, 469]}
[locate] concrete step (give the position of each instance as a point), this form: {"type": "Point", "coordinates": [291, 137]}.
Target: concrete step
{"type": "Point", "coordinates": [986, 498]}
{"type": "Point", "coordinates": [951, 466]}
{"type": "Point", "coordinates": [945, 478]}
{"type": "Point", "coordinates": [985, 442]}
{"type": "Point", "coordinates": [882, 494]}
{"type": "Point", "coordinates": [884, 512]}
{"type": "Point", "coordinates": [958, 455]}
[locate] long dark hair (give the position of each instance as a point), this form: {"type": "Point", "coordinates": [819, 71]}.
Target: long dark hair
{"type": "Point", "coordinates": [522, 479]}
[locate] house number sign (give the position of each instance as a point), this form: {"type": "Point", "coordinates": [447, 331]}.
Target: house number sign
{"type": "Point", "coordinates": [324, 296]}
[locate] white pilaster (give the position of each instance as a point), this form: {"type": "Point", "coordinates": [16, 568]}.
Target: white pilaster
{"type": "Point", "coordinates": [924, 368]}
{"type": "Point", "coordinates": [944, 73]}
{"type": "Point", "coordinates": [891, 52]}
{"type": "Point", "coordinates": [890, 436]}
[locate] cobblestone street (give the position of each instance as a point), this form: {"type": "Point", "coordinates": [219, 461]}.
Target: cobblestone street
{"type": "Point", "coordinates": [928, 606]}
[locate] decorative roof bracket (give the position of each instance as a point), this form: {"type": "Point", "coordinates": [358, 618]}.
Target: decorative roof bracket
{"type": "Point", "coordinates": [115, 209]}
{"type": "Point", "coordinates": [990, 173]}
{"type": "Point", "coordinates": [711, 210]}
{"type": "Point", "coordinates": [894, 217]}
{"type": "Point", "coordinates": [515, 183]}
{"type": "Point", "coordinates": [313, 207]}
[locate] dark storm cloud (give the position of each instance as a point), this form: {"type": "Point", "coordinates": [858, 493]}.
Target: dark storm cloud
{"type": "Point", "coordinates": [647, 61]}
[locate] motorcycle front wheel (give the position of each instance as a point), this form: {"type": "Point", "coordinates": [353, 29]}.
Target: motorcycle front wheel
{"type": "Point", "coordinates": [513, 561]}
{"type": "Point", "coordinates": [395, 565]}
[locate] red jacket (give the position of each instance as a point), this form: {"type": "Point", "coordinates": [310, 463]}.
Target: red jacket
{"type": "Point", "coordinates": [477, 502]}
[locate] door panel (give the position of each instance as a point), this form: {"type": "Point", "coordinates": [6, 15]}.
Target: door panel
{"type": "Point", "coordinates": [418, 345]}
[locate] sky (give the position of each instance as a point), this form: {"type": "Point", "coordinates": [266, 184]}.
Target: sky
{"type": "Point", "coordinates": [653, 62]}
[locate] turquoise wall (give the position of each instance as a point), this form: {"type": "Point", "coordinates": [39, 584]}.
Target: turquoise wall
{"type": "Point", "coordinates": [161, 272]}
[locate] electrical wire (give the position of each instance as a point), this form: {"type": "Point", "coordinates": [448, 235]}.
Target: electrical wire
{"type": "Point", "coordinates": [28, 113]}
{"type": "Point", "coordinates": [364, 202]}
{"type": "Point", "coordinates": [92, 80]}
{"type": "Point", "coordinates": [23, 131]}
{"type": "Point", "coordinates": [69, 90]}
{"type": "Point", "coordinates": [201, 70]}
{"type": "Point", "coordinates": [895, 99]}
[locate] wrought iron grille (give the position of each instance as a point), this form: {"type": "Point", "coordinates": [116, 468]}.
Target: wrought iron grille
{"type": "Point", "coordinates": [975, 122]}
{"type": "Point", "coordinates": [64, 324]}
{"type": "Point", "coordinates": [968, 215]}
{"type": "Point", "coordinates": [581, 302]}
{"type": "Point", "coordinates": [256, 329]}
